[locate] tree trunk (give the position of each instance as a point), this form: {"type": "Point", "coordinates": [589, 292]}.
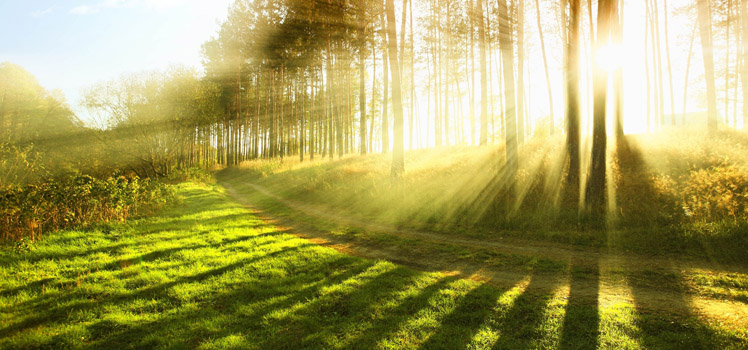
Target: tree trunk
{"type": "Point", "coordinates": [483, 76]}
{"type": "Point", "coordinates": [521, 72]}
{"type": "Point", "coordinates": [596, 185]}
{"type": "Point", "coordinates": [705, 33]}
{"type": "Point", "coordinates": [669, 64]}
{"type": "Point", "coordinates": [688, 68]}
{"type": "Point", "coordinates": [572, 105]}
{"type": "Point", "coordinates": [658, 52]}
{"type": "Point", "coordinates": [385, 92]}
{"type": "Point", "coordinates": [507, 55]}
{"type": "Point", "coordinates": [545, 67]}
{"type": "Point", "coordinates": [617, 35]}
{"type": "Point", "coordinates": [727, 63]}
{"type": "Point", "coordinates": [373, 97]}
{"type": "Point", "coordinates": [362, 79]}
{"type": "Point", "coordinates": [398, 156]}
{"type": "Point", "coordinates": [403, 21]}
{"type": "Point", "coordinates": [744, 72]}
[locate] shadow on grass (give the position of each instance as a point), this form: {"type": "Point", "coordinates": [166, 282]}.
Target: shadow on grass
{"type": "Point", "coordinates": [58, 308]}
{"type": "Point", "coordinates": [519, 326]}
{"type": "Point", "coordinates": [459, 327]}
{"type": "Point", "coordinates": [582, 319]}
{"type": "Point", "coordinates": [682, 327]}
{"type": "Point", "coordinates": [224, 314]}
{"type": "Point", "coordinates": [394, 319]}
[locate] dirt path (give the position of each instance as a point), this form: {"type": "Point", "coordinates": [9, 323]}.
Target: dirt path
{"type": "Point", "coordinates": [606, 277]}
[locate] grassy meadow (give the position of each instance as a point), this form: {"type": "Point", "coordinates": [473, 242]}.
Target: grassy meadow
{"type": "Point", "coordinates": [208, 273]}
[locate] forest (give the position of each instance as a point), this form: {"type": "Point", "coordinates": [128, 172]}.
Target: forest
{"type": "Point", "coordinates": [387, 174]}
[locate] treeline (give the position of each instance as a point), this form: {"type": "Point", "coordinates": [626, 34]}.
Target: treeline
{"type": "Point", "coordinates": [54, 171]}
{"type": "Point", "coordinates": [325, 78]}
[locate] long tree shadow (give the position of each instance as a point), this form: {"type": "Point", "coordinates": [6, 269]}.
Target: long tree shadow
{"type": "Point", "coordinates": [385, 327]}
{"type": "Point", "coordinates": [666, 317]}
{"type": "Point", "coordinates": [57, 308]}
{"type": "Point", "coordinates": [456, 331]}
{"type": "Point", "coordinates": [222, 315]}
{"type": "Point", "coordinates": [519, 326]}
{"type": "Point", "coordinates": [639, 201]}
{"type": "Point", "coordinates": [581, 324]}
{"type": "Point", "coordinates": [339, 309]}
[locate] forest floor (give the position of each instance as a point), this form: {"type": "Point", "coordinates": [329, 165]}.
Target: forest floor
{"type": "Point", "coordinates": [241, 268]}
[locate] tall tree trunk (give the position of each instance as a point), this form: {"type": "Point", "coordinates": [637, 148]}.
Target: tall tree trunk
{"type": "Point", "coordinates": [362, 78]}
{"type": "Point", "coordinates": [744, 72]}
{"type": "Point", "coordinates": [398, 156]}
{"type": "Point", "coordinates": [446, 61]}
{"type": "Point", "coordinates": [385, 98]}
{"type": "Point", "coordinates": [412, 76]}
{"type": "Point", "coordinates": [271, 122]}
{"type": "Point", "coordinates": [507, 55]}
{"type": "Point", "coordinates": [596, 185]}
{"type": "Point", "coordinates": [312, 112]}
{"type": "Point", "coordinates": [669, 64]}
{"type": "Point", "coordinates": [302, 117]}
{"type": "Point", "coordinates": [521, 72]}
{"type": "Point", "coordinates": [471, 70]}
{"type": "Point", "coordinates": [545, 67]}
{"type": "Point", "coordinates": [483, 76]}
{"type": "Point", "coordinates": [437, 75]}
{"type": "Point", "coordinates": [572, 105]}
{"type": "Point", "coordinates": [658, 53]}
{"type": "Point", "coordinates": [688, 69]}
{"type": "Point", "coordinates": [402, 61]}
{"type": "Point", "coordinates": [617, 35]}
{"type": "Point", "coordinates": [727, 63]}
{"type": "Point", "coordinates": [738, 65]}
{"type": "Point", "coordinates": [705, 33]}
{"type": "Point", "coordinates": [373, 97]}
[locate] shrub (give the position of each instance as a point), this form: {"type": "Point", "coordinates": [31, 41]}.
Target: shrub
{"type": "Point", "coordinates": [31, 210]}
{"type": "Point", "coordinates": [717, 193]}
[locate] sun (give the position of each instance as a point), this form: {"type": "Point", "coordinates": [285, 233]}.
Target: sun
{"type": "Point", "coordinates": [610, 57]}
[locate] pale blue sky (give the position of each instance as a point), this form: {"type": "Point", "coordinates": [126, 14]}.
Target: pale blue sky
{"type": "Point", "coordinates": [73, 44]}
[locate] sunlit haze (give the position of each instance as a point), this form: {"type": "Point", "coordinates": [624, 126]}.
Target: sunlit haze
{"type": "Point", "coordinates": [72, 45]}
{"type": "Point", "coordinates": [374, 174]}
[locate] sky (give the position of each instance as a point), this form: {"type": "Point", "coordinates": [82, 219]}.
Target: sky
{"type": "Point", "coordinates": [73, 44]}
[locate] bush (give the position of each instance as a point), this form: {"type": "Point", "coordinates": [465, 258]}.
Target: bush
{"type": "Point", "coordinates": [31, 210]}
{"type": "Point", "coordinates": [715, 194]}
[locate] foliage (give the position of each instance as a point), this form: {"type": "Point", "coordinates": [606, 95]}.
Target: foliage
{"type": "Point", "coordinates": [39, 133]}
{"type": "Point", "coordinates": [152, 118]}
{"type": "Point", "coordinates": [18, 165]}
{"type": "Point", "coordinates": [31, 210]}
{"type": "Point", "coordinates": [717, 193]}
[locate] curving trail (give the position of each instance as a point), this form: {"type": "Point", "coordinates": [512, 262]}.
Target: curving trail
{"type": "Point", "coordinates": [589, 276]}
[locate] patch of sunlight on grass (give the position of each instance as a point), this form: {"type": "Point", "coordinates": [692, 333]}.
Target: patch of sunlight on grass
{"type": "Point", "coordinates": [487, 336]}
{"type": "Point", "coordinates": [618, 327]}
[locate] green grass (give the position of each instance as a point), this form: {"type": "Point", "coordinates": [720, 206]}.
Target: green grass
{"type": "Point", "coordinates": [208, 274]}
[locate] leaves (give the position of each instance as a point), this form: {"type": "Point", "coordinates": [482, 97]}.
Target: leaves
{"type": "Point", "coordinates": [28, 211]}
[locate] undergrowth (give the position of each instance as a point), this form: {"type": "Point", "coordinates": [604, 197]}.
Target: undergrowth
{"type": "Point", "coordinates": [681, 193]}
